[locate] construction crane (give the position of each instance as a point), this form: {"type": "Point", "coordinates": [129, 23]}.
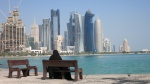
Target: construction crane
{"type": "Point", "coordinates": [3, 13]}
{"type": "Point", "coordinates": [19, 4]}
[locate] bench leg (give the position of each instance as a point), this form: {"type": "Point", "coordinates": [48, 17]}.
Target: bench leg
{"type": "Point", "coordinates": [25, 72]}
{"type": "Point", "coordinates": [44, 73]}
{"type": "Point", "coordinates": [80, 74]}
{"type": "Point", "coordinates": [18, 73]}
{"type": "Point", "coordinates": [35, 72]}
{"type": "Point", "coordinates": [76, 76]}
{"type": "Point", "coordinates": [62, 74]}
{"type": "Point", "coordinates": [10, 74]}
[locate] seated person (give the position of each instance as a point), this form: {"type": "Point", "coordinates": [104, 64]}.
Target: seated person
{"type": "Point", "coordinates": [57, 75]}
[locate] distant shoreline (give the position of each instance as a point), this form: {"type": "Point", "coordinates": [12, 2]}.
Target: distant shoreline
{"type": "Point", "coordinates": [73, 55]}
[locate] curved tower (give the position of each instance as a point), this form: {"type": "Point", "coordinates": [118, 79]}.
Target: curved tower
{"type": "Point", "coordinates": [98, 35]}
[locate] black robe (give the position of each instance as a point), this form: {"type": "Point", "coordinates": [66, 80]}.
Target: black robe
{"type": "Point", "coordinates": [57, 75]}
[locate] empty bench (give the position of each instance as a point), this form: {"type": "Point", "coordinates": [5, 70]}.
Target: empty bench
{"type": "Point", "coordinates": [14, 66]}
{"type": "Point", "coordinates": [63, 63]}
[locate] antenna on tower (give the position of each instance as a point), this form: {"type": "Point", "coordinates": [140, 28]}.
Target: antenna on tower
{"type": "Point", "coordinates": [9, 7]}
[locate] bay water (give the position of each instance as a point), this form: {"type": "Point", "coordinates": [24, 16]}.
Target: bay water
{"type": "Point", "coordinates": [98, 64]}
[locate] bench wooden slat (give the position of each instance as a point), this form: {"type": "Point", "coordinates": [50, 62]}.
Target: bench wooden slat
{"type": "Point", "coordinates": [25, 70]}
{"type": "Point", "coordinates": [63, 63]}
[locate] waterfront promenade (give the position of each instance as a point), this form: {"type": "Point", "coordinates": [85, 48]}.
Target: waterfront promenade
{"type": "Point", "coordinates": [87, 79]}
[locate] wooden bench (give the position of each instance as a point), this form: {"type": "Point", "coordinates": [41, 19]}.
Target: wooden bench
{"type": "Point", "coordinates": [62, 63]}
{"type": "Point", "coordinates": [14, 66]}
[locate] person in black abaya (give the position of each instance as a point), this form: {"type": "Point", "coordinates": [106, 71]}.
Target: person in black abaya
{"type": "Point", "coordinates": [57, 75]}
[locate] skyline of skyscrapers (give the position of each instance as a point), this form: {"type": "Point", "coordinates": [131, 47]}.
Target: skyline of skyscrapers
{"type": "Point", "coordinates": [82, 35]}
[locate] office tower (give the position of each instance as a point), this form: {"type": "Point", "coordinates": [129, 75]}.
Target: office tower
{"type": "Point", "coordinates": [55, 24]}
{"type": "Point", "coordinates": [126, 48]}
{"type": "Point", "coordinates": [113, 48]}
{"type": "Point", "coordinates": [88, 32]}
{"type": "Point", "coordinates": [30, 42]}
{"type": "Point", "coordinates": [13, 34]}
{"type": "Point", "coordinates": [79, 33]}
{"type": "Point", "coordinates": [120, 48]}
{"type": "Point", "coordinates": [107, 45]}
{"type": "Point", "coordinates": [40, 35]}
{"type": "Point", "coordinates": [35, 34]}
{"type": "Point", "coordinates": [65, 40]}
{"type": "Point", "coordinates": [71, 30]}
{"type": "Point", "coordinates": [45, 34]}
{"type": "Point", "coordinates": [59, 43]}
{"type": "Point", "coordinates": [98, 35]}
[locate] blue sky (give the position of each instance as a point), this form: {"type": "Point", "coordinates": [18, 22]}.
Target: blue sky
{"type": "Point", "coordinates": [121, 19]}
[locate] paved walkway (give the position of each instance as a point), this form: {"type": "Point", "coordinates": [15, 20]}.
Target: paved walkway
{"type": "Point", "coordinates": [88, 79]}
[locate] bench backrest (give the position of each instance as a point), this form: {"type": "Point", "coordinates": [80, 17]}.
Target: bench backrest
{"type": "Point", "coordinates": [17, 62]}
{"type": "Point", "coordinates": [61, 63]}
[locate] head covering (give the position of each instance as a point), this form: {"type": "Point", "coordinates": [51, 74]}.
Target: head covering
{"type": "Point", "coordinates": [55, 56]}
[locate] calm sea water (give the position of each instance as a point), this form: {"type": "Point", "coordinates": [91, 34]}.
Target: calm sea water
{"type": "Point", "coordinates": [100, 64]}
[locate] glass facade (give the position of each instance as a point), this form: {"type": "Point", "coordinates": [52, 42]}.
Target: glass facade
{"type": "Point", "coordinates": [71, 30]}
{"type": "Point", "coordinates": [46, 34]}
{"type": "Point", "coordinates": [31, 42]}
{"type": "Point", "coordinates": [55, 25]}
{"type": "Point", "coordinates": [88, 32]}
{"type": "Point", "coordinates": [79, 32]}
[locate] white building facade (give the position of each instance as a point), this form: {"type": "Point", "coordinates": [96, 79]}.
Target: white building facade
{"type": "Point", "coordinates": [98, 35]}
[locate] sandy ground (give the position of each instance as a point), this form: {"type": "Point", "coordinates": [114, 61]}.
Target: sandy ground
{"type": "Point", "coordinates": [87, 79]}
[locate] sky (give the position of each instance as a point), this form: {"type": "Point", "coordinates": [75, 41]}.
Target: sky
{"type": "Point", "coordinates": [121, 19]}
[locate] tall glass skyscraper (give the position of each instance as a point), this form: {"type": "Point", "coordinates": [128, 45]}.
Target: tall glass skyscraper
{"type": "Point", "coordinates": [45, 34]}
{"type": "Point", "coordinates": [71, 30]}
{"type": "Point", "coordinates": [79, 33]}
{"type": "Point", "coordinates": [88, 32]}
{"type": "Point", "coordinates": [65, 40]}
{"type": "Point", "coordinates": [55, 25]}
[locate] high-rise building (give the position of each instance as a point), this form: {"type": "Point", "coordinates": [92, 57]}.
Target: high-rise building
{"type": "Point", "coordinates": [45, 34]}
{"type": "Point", "coordinates": [35, 34]}
{"type": "Point", "coordinates": [79, 33]}
{"type": "Point", "coordinates": [65, 40]}
{"type": "Point", "coordinates": [41, 35]}
{"type": "Point", "coordinates": [98, 35]}
{"type": "Point", "coordinates": [107, 45]}
{"type": "Point", "coordinates": [120, 48]}
{"type": "Point", "coordinates": [13, 33]}
{"type": "Point", "coordinates": [126, 48]}
{"type": "Point", "coordinates": [59, 43]}
{"type": "Point", "coordinates": [55, 24]}
{"type": "Point", "coordinates": [113, 48]}
{"type": "Point", "coordinates": [30, 42]}
{"type": "Point", "coordinates": [88, 32]}
{"type": "Point", "coordinates": [71, 30]}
